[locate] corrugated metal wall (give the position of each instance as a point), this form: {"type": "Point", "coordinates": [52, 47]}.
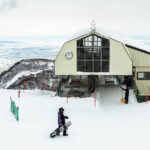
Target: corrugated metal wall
{"type": "Point", "coordinates": [143, 85]}
{"type": "Point", "coordinates": [141, 61]}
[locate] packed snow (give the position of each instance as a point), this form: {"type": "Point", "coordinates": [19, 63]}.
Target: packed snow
{"type": "Point", "coordinates": [111, 125]}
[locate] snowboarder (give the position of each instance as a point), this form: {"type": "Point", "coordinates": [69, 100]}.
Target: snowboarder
{"type": "Point", "coordinates": [61, 120]}
{"type": "Point", "coordinates": [126, 89]}
{"type": "Point", "coordinates": [62, 125]}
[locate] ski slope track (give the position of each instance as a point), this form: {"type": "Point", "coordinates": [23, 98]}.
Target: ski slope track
{"type": "Point", "coordinates": [112, 125]}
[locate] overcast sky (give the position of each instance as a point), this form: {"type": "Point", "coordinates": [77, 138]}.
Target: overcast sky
{"type": "Point", "coordinates": [65, 17]}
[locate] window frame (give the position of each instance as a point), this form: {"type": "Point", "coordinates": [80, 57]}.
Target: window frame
{"type": "Point", "coordinates": [144, 76]}
{"type": "Point", "coordinates": [99, 48]}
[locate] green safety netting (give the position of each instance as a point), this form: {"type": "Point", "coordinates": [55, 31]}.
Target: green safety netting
{"type": "Point", "coordinates": [14, 110]}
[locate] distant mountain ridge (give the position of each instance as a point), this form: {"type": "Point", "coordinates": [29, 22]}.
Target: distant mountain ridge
{"type": "Point", "coordinates": [14, 51]}
{"type": "Point", "coordinates": [30, 74]}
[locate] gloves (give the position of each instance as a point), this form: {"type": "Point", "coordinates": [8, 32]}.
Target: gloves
{"type": "Point", "coordinates": [66, 117]}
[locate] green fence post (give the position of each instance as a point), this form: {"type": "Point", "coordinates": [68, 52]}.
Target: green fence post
{"type": "Point", "coordinates": [17, 113]}
{"type": "Point", "coordinates": [14, 109]}
{"type": "Point", "coordinates": [137, 93]}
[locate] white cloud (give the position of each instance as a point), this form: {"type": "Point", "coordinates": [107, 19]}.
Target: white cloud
{"type": "Point", "coordinates": [63, 17]}
{"type": "Point", "coordinates": [7, 5]}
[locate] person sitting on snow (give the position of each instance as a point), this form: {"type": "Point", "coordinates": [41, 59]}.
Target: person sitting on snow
{"type": "Point", "coordinates": [61, 120]}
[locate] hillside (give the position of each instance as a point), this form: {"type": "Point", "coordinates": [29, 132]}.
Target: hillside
{"type": "Point", "coordinates": [30, 74]}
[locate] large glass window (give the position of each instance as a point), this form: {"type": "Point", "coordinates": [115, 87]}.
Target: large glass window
{"type": "Point", "coordinates": [93, 54]}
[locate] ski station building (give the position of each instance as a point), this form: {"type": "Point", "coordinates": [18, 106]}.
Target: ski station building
{"type": "Point", "coordinates": [103, 57]}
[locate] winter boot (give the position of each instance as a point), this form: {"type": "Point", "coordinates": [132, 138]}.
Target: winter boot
{"type": "Point", "coordinates": [64, 133]}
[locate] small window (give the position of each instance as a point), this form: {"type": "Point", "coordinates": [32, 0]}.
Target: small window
{"type": "Point", "coordinates": [88, 67]}
{"type": "Point", "coordinates": [88, 54]}
{"type": "Point", "coordinates": [97, 66]}
{"type": "Point", "coordinates": [80, 53]}
{"type": "Point", "coordinates": [140, 75]}
{"type": "Point", "coordinates": [80, 66]}
{"type": "Point", "coordinates": [97, 55]}
{"type": "Point", "coordinates": [90, 38]}
{"type": "Point", "coordinates": [143, 75]}
{"type": "Point", "coordinates": [105, 66]}
{"type": "Point", "coordinates": [147, 75]}
{"type": "Point", "coordinates": [99, 43]}
{"type": "Point", "coordinates": [105, 53]}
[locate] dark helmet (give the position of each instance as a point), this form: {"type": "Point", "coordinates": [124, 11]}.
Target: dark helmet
{"type": "Point", "coordinates": [61, 109]}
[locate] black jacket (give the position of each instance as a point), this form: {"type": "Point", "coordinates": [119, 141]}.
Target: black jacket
{"type": "Point", "coordinates": [61, 118]}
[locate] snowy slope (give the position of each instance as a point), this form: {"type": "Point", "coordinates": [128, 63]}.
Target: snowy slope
{"type": "Point", "coordinates": [21, 74]}
{"type": "Point", "coordinates": [110, 126]}
{"type": "Point", "coordinates": [26, 68]}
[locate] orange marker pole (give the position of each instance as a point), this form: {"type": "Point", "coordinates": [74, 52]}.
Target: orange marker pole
{"type": "Point", "coordinates": [67, 97]}
{"type": "Point", "coordinates": [146, 98]}
{"type": "Point", "coordinates": [37, 83]}
{"type": "Point", "coordinates": [19, 93]}
{"type": "Point", "coordinates": [46, 86]}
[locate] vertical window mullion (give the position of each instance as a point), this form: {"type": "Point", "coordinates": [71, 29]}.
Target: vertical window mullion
{"type": "Point", "coordinates": [92, 53]}
{"type": "Point", "coordinates": [101, 58]}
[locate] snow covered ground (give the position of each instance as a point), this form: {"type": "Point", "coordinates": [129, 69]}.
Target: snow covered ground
{"type": "Point", "coordinates": [110, 126]}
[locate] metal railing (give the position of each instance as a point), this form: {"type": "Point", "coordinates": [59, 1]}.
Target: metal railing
{"type": "Point", "coordinates": [118, 80]}
{"type": "Point", "coordinates": [61, 83]}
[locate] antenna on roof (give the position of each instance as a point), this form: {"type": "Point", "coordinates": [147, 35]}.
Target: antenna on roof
{"type": "Point", "coordinates": [93, 25]}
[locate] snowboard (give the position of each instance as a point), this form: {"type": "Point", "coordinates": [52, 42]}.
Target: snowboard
{"type": "Point", "coordinates": [59, 130]}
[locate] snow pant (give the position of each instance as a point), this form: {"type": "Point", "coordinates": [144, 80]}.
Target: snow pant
{"type": "Point", "coordinates": [65, 129]}
{"type": "Point", "coordinates": [126, 99]}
